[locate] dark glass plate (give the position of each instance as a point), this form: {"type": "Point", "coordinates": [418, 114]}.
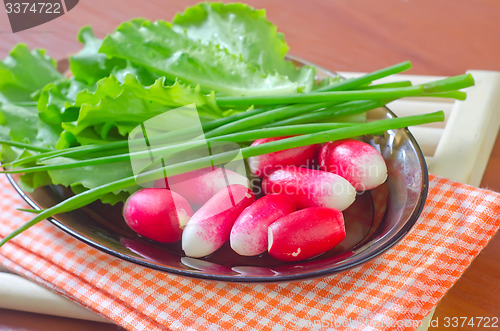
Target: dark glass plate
{"type": "Point", "coordinates": [375, 222]}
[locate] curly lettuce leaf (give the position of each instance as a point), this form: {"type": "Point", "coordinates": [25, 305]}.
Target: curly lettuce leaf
{"type": "Point", "coordinates": [114, 109]}
{"type": "Point", "coordinates": [89, 66]}
{"type": "Point", "coordinates": [23, 72]}
{"type": "Point", "coordinates": [55, 107]}
{"type": "Point", "coordinates": [161, 49]}
{"type": "Point", "coordinates": [242, 31]}
{"type": "Point", "coordinates": [21, 122]}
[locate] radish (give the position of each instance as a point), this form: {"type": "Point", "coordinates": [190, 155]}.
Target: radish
{"type": "Point", "coordinates": [210, 226]}
{"type": "Point", "coordinates": [157, 214]}
{"type": "Point", "coordinates": [200, 185]}
{"type": "Point", "coordinates": [305, 233]}
{"type": "Point", "coordinates": [249, 233]}
{"type": "Point", "coordinates": [263, 165]}
{"type": "Point", "coordinates": [311, 188]}
{"type": "Point", "coordinates": [358, 162]}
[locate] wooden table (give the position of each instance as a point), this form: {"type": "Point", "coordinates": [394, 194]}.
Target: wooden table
{"type": "Point", "coordinates": [440, 37]}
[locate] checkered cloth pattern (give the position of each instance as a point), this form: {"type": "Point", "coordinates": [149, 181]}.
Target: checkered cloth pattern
{"type": "Point", "coordinates": [394, 291]}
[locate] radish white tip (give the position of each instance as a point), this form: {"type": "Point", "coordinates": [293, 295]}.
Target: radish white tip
{"type": "Point", "coordinates": [296, 253]}
{"type": "Point", "coordinates": [269, 239]}
{"type": "Point", "coordinates": [253, 164]}
{"type": "Point", "coordinates": [195, 249]}
{"type": "Point", "coordinates": [183, 218]}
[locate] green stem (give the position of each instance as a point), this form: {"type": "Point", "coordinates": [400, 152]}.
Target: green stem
{"type": "Point", "coordinates": [449, 84]}
{"type": "Point", "coordinates": [23, 145]}
{"type": "Point", "coordinates": [264, 118]}
{"type": "Point", "coordinates": [316, 97]}
{"type": "Point", "coordinates": [344, 109]}
{"type": "Point", "coordinates": [239, 137]}
{"type": "Point", "coordinates": [350, 83]}
{"type": "Point", "coordinates": [404, 83]}
{"type": "Point", "coordinates": [458, 95]}
{"type": "Point", "coordinates": [87, 149]}
{"type": "Point", "coordinates": [354, 130]}
{"type": "Point", "coordinates": [443, 85]}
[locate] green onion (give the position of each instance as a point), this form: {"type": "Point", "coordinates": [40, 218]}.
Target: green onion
{"type": "Point", "coordinates": [264, 118]}
{"type": "Point", "coordinates": [316, 97]}
{"type": "Point", "coordinates": [345, 109]}
{"type": "Point", "coordinates": [449, 84]}
{"type": "Point", "coordinates": [404, 83]}
{"type": "Point", "coordinates": [350, 83]}
{"type": "Point", "coordinates": [443, 85]}
{"type": "Point", "coordinates": [124, 144]}
{"type": "Point", "coordinates": [239, 137]}
{"type": "Point", "coordinates": [25, 146]}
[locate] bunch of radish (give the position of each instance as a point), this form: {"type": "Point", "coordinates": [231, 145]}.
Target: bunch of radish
{"type": "Point", "coordinates": [298, 217]}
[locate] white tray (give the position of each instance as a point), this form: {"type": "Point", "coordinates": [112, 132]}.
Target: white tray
{"type": "Point", "coordinates": [470, 129]}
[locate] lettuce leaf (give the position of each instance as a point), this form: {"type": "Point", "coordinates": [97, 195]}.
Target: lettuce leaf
{"type": "Point", "coordinates": [89, 66]}
{"type": "Point", "coordinates": [81, 179]}
{"type": "Point", "coordinates": [24, 72]}
{"type": "Point", "coordinates": [163, 50]}
{"type": "Point", "coordinates": [114, 109]}
{"type": "Point", "coordinates": [242, 31]}
{"type": "Point", "coordinates": [21, 122]}
{"type": "Point", "coordinates": [54, 107]}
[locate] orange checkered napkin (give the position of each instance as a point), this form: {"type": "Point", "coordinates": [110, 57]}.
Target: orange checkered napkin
{"type": "Point", "coordinates": [391, 292]}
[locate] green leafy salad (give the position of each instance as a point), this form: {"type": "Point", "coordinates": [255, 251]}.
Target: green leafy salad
{"type": "Point", "coordinates": [70, 127]}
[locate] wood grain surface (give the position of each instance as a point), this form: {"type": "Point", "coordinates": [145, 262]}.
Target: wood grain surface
{"type": "Point", "coordinates": [440, 37]}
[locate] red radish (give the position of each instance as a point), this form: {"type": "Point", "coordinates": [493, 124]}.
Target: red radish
{"type": "Point", "coordinates": [200, 185]}
{"type": "Point", "coordinates": [311, 188]}
{"type": "Point", "coordinates": [263, 165]}
{"type": "Point", "coordinates": [166, 182]}
{"type": "Point", "coordinates": [157, 214]}
{"type": "Point", "coordinates": [305, 233]}
{"type": "Point", "coordinates": [210, 226]}
{"type": "Point", "coordinates": [358, 162]}
{"type": "Point", "coordinates": [249, 233]}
